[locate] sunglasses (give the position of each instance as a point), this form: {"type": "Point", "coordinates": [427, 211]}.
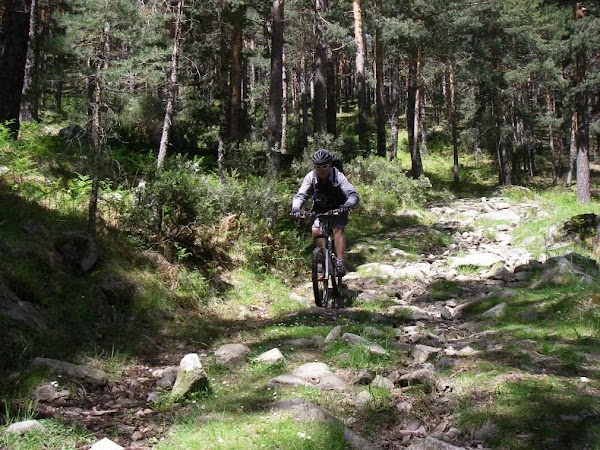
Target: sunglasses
{"type": "Point", "coordinates": [321, 166]}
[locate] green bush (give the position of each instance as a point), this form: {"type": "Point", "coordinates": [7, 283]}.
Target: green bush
{"type": "Point", "coordinates": [384, 186]}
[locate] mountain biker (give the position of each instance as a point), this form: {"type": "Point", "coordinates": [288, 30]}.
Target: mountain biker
{"type": "Point", "coordinates": [330, 189]}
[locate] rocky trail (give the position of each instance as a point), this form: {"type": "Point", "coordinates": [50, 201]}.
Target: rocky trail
{"type": "Point", "coordinates": [432, 333]}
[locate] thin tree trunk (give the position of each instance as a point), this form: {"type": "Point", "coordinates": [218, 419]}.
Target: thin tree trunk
{"type": "Point", "coordinates": [423, 122]}
{"type": "Point", "coordinates": [394, 110]}
{"type": "Point", "coordinates": [360, 75]}
{"type": "Point", "coordinates": [171, 89]}
{"type": "Point", "coordinates": [417, 165]}
{"type": "Point", "coordinates": [379, 88]}
{"type": "Point", "coordinates": [273, 128]}
{"type": "Point", "coordinates": [304, 99]}
{"type": "Point", "coordinates": [14, 34]}
{"type": "Point", "coordinates": [331, 90]}
{"type": "Point", "coordinates": [453, 120]}
{"type": "Point", "coordinates": [284, 110]}
{"type": "Point", "coordinates": [553, 158]}
{"type": "Point", "coordinates": [100, 64]}
{"type": "Point", "coordinates": [222, 94]}
{"type": "Point", "coordinates": [235, 83]}
{"type": "Point", "coordinates": [320, 68]}
{"type": "Point", "coordinates": [572, 149]}
{"type": "Point", "coordinates": [30, 95]}
{"type": "Point", "coordinates": [295, 102]}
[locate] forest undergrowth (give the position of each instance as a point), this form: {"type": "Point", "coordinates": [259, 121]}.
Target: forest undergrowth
{"type": "Point", "coordinates": [214, 271]}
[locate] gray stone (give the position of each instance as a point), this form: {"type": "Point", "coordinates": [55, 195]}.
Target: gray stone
{"type": "Point", "coordinates": [382, 382]}
{"type": "Point", "coordinates": [430, 443]}
{"type": "Point", "coordinates": [190, 378]}
{"type": "Point", "coordinates": [447, 363]}
{"type": "Point", "coordinates": [21, 311]}
{"type": "Point", "coordinates": [363, 399]}
{"type": "Point", "coordinates": [168, 378]}
{"type": "Point", "coordinates": [477, 260]}
{"type": "Point", "coordinates": [312, 370]}
{"type": "Point", "coordinates": [48, 393]}
{"type": "Point", "coordinates": [404, 407]}
{"type": "Point", "coordinates": [232, 355]}
{"type": "Point", "coordinates": [106, 444]}
{"type": "Point", "coordinates": [496, 311]}
{"type": "Point", "coordinates": [333, 334]}
{"type": "Point", "coordinates": [320, 376]}
{"type": "Point", "coordinates": [82, 373]}
{"type": "Point", "coordinates": [364, 376]}
{"type": "Point", "coordinates": [467, 351]}
{"type": "Point", "coordinates": [378, 350]}
{"type": "Point", "coordinates": [418, 376]}
{"type": "Point", "coordinates": [354, 339]}
{"type": "Point", "coordinates": [154, 397]}
{"type": "Point", "coordinates": [287, 380]}
{"type": "Point", "coordinates": [271, 356]}
{"type": "Point", "coordinates": [372, 331]}
{"type": "Point", "coordinates": [421, 353]}
{"type": "Point", "coordinates": [24, 427]}
{"type": "Point", "coordinates": [79, 251]}
{"type": "Point", "coordinates": [505, 216]}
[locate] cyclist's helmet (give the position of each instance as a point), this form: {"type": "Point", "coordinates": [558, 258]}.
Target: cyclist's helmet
{"type": "Point", "coordinates": [322, 156]}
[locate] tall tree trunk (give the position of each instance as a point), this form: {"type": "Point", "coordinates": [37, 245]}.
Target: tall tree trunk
{"type": "Point", "coordinates": [582, 101]}
{"type": "Point", "coordinates": [273, 128]}
{"type": "Point", "coordinates": [273, 119]}
{"type": "Point", "coordinates": [235, 83]}
{"type": "Point", "coordinates": [423, 121]}
{"type": "Point", "coordinates": [171, 88]}
{"type": "Point", "coordinates": [361, 91]}
{"type": "Point", "coordinates": [100, 64]}
{"type": "Point", "coordinates": [415, 80]}
{"type": "Point", "coordinates": [222, 94]}
{"type": "Point", "coordinates": [379, 88]}
{"type": "Point", "coordinates": [320, 68]}
{"type": "Point", "coordinates": [331, 90]}
{"type": "Point", "coordinates": [14, 35]}
{"type": "Point", "coordinates": [394, 101]}
{"type": "Point", "coordinates": [284, 108]}
{"type": "Point", "coordinates": [295, 102]}
{"type": "Point", "coordinates": [30, 96]}
{"type": "Point", "coordinates": [572, 149]}
{"type": "Point", "coordinates": [304, 98]}
{"type": "Point", "coordinates": [553, 157]}
{"type": "Point", "coordinates": [410, 109]}
{"type": "Point", "coordinates": [453, 120]}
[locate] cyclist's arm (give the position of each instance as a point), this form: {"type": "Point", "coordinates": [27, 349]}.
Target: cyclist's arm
{"type": "Point", "coordinates": [303, 193]}
{"type": "Point", "coordinates": [352, 197]}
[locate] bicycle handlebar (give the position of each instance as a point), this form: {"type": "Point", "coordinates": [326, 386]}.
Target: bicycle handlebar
{"type": "Point", "coordinates": [309, 214]}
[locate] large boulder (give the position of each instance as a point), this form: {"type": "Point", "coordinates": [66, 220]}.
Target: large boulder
{"type": "Point", "coordinates": [21, 311]}
{"type": "Point", "coordinates": [232, 355]}
{"type": "Point", "coordinates": [190, 378]}
{"type": "Point", "coordinates": [78, 251]}
{"type": "Point", "coordinates": [82, 373]}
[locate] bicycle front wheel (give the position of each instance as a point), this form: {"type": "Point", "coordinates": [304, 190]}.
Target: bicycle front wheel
{"type": "Point", "coordinates": [319, 279]}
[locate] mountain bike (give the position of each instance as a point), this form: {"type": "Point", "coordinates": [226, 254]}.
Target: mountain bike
{"type": "Point", "coordinates": [323, 262]}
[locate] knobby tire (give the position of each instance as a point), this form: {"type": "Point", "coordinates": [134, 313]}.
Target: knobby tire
{"type": "Point", "coordinates": [319, 282]}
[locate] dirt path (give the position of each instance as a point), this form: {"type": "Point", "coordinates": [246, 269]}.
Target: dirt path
{"type": "Point", "coordinates": [468, 256]}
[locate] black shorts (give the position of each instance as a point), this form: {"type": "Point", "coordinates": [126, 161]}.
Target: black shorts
{"type": "Point", "coordinates": [337, 222]}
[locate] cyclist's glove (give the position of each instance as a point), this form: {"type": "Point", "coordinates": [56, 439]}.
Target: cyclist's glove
{"type": "Point", "coordinates": [344, 209]}
{"type": "Point", "coordinates": [295, 213]}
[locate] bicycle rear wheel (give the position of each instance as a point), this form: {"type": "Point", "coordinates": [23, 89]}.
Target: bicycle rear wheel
{"type": "Point", "coordinates": [318, 277]}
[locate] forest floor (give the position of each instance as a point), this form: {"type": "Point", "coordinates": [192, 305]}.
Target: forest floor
{"type": "Point", "coordinates": [452, 333]}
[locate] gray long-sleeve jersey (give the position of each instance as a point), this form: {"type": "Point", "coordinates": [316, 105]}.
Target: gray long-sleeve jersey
{"type": "Point", "coordinates": [340, 187]}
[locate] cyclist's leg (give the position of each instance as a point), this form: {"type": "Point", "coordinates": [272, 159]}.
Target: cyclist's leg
{"type": "Point", "coordinates": [339, 239]}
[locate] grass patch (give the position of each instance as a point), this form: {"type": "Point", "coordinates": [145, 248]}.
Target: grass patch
{"type": "Point", "coordinates": [255, 432]}
{"type": "Point", "coordinates": [56, 434]}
